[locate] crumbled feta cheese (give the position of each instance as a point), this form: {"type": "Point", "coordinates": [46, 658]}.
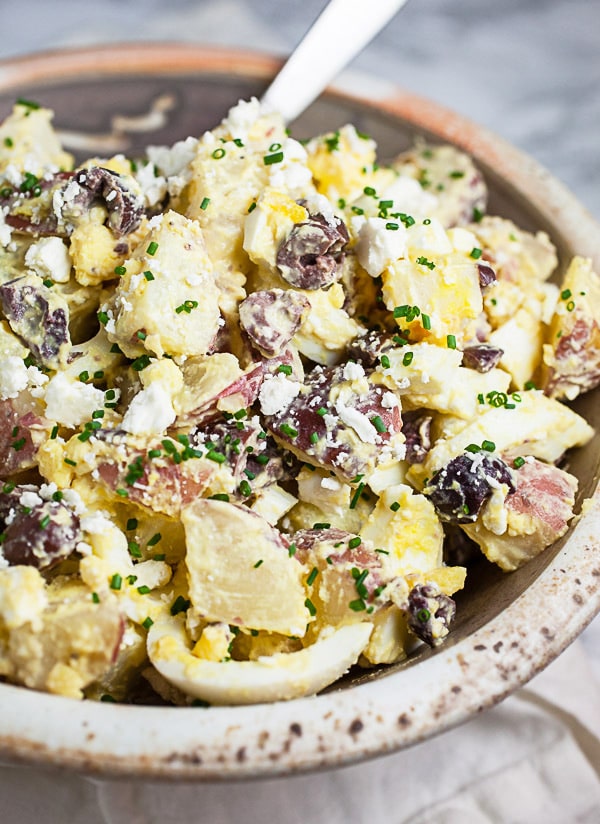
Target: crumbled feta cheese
{"type": "Point", "coordinates": [353, 371]}
{"type": "Point", "coordinates": [153, 186]}
{"type": "Point", "coordinates": [50, 258]}
{"type": "Point", "coordinates": [242, 117]}
{"type": "Point", "coordinates": [29, 499]}
{"type": "Point", "coordinates": [377, 246]}
{"type": "Point", "coordinates": [71, 402]}
{"type": "Point", "coordinates": [5, 231]}
{"type": "Point", "coordinates": [389, 401]}
{"type": "Point", "coordinates": [151, 411]}
{"type": "Point", "coordinates": [292, 174]}
{"type": "Point", "coordinates": [357, 421]}
{"type": "Point", "coordinates": [277, 393]}
{"type": "Point", "coordinates": [13, 377]}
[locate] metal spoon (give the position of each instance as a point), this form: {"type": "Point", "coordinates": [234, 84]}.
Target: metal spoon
{"type": "Point", "coordinates": [342, 30]}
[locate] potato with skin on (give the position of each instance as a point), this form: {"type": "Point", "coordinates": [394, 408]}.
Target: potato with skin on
{"type": "Point", "coordinates": [516, 255]}
{"type": "Point", "coordinates": [177, 306]}
{"type": "Point", "coordinates": [536, 515]}
{"type": "Point", "coordinates": [327, 328]}
{"type": "Point", "coordinates": [541, 426]}
{"type": "Point", "coordinates": [240, 571]}
{"type": "Point", "coordinates": [571, 352]}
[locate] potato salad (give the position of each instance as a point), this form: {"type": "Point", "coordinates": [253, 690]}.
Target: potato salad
{"type": "Point", "coordinates": [262, 401]}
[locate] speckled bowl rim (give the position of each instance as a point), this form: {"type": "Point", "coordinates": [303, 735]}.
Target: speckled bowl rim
{"type": "Point", "coordinates": [378, 716]}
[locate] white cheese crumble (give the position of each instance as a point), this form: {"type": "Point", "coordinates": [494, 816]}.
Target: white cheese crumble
{"type": "Point", "coordinates": [29, 499]}
{"type": "Point", "coordinates": [353, 371]}
{"type": "Point", "coordinates": [71, 402]}
{"type": "Point", "coordinates": [5, 231]}
{"type": "Point", "coordinates": [378, 247]}
{"type": "Point", "coordinates": [50, 258]}
{"type": "Point", "coordinates": [357, 421]}
{"type": "Point", "coordinates": [13, 377]}
{"type": "Point", "coordinates": [151, 411]}
{"type": "Point", "coordinates": [243, 116]}
{"type": "Point", "coordinates": [389, 401]}
{"type": "Point", "coordinates": [277, 393]}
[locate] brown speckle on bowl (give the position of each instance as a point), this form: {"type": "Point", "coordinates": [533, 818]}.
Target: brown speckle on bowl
{"type": "Point", "coordinates": [356, 726]}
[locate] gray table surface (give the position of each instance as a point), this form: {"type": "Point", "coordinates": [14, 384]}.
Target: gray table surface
{"type": "Point", "coordinates": [529, 70]}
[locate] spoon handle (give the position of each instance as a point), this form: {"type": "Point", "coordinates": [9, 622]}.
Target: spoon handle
{"type": "Point", "coordinates": [341, 31]}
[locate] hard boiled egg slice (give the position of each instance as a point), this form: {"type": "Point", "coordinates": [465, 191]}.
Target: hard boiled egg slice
{"type": "Point", "coordinates": [269, 678]}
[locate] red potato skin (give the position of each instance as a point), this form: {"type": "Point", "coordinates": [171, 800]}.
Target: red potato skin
{"type": "Point", "coordinates": [170, 490]}
{"type": "Point", "coordinates": [14, 460]}
{"type": "Point", "coordinates": [546, 494]}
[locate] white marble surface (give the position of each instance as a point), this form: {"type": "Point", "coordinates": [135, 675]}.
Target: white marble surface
{"type": "Point", "coordinates": [530, 71]}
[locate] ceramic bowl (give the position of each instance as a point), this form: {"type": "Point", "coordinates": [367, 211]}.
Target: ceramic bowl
{"type": "Point", "coordinates": [508, 627]}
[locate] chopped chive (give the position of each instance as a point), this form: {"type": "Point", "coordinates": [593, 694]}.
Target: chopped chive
{"type": "Point", "coordinates": [217, 457]}
{"type": "Point", "coordinates": [314, 437]}
{"type": "Point", "coordinates": [385, 361]}
{"type": "Point", "coordinates": [95, 598]}
{"type": "Point", "coordinates": [69, 462]}
{"type": "Point", "coordinates": [148, 275]}
{"type": "Point", "coordinates": [122, 493]}
{"type": "Point", "coordinates": [288, 430]}
{"type": "Point", "coordinates": [451, 341]}
{"type": "Point", "coordinates": [180, 604]}
{"type": "Point", "coordinates": [205, 202]}
{"type": "Point", "coordinates": [475, 253]}
{"type": "Point", "coordinates": [358, 605]}
{"type": "Point", "coordinates": [44, 521]}
{"type": "Point", "coordinates": [408, 358]}
{"type": "Point", "coordinates": [258, 563]}
{"type": "Point", "coordinates": [395, 506]}
{"type": "Point", "coordinates": [154, 539]}
{"type": "Point", "coordinates": [310, 607]}
{"type": "Point", "coordinates": [116, 581]}
{"type": "Point", "coordinates": [292, 550]}
{"type": "Point", "coordinates": [356, 496]}
{"type": "Point", "coordinates": [147, 622]}
{"type": "Point", "coordinates": [245, 489]}
{"type": "Point", "coordinates": [321, 525]}
{"type": "Point", "coordinates": [354, 542]}
{"type": "Point", "coordinates": [378, 423]}
{"type": "Point", "coordinates": [140, 363]}
{"type": "Point", "coordinates": [102, 318]}
{"type": "Point", "coordinates": [285, 368]}
{"type": "Point", "coordinates": [120, 270]}
{"type": "Point", "coordinates": [518, 462]}
{"type": "Point", "coordinates": [426, 321]}
{"type": "Point", "coordinates": [132, 523]}
{"type": "Point", "coordinates": [252, 207]}
{"type": "Point", "coordinates": [277, 157]}
{"type": "Point", "coordinates": [489, 446]}
{"type": "Point", "coordinates": [321, 411]}
{"type": "Point", "coordinates": [57, 496]}
{"type": "Point", "coordinates": [311, 578]}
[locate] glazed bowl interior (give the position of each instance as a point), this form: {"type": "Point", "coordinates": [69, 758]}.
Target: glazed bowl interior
{"type": "Point", "coordinates": [122, 99]}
